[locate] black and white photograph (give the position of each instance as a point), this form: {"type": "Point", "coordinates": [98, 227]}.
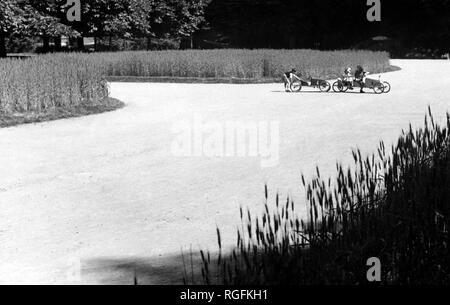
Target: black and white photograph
{"type": "Point", "coordinates": [225, 143]}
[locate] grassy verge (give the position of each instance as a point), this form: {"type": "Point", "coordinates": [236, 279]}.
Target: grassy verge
{"type": "Point", "coordinates": [109, 104]}
{"type": "Point", "coordinates": [393, 205]}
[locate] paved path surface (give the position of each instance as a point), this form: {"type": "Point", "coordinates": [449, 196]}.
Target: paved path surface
{"type": "Point", "coordinates": [107, 191]}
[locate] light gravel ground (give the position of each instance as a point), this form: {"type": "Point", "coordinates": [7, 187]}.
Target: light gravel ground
{"type": "Point", "coordinates": [106, 189]}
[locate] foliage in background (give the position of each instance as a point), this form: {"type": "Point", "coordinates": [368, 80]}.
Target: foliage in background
{"type": "Point", "coordinates": [256, 64]}
{"type": "Point", "coordinates": [275, 24]}
{"type": "Point", "coordinates": [125, 19]}
{"type": "Point", "coordinates": [22, 18]}
{"type": "Point", "coordinates": [329, 24]}
{"type": "Point", "coordinates": [393, 205]}
{"type": "Point", "coordinates": [21, 44]}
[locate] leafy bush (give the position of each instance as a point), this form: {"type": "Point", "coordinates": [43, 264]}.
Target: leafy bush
{"type": "Point", "coordinates": [391, 205]}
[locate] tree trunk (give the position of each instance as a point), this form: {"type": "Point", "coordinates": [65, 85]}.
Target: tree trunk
{"type": "Point", "coordinates": [45, 44]}
{"type": "Point", "coordinates": [2, 45]}
{"type": "Point", "coordinates": [187, 43]}
{"type": "Point", "coordinates": [72, 43]}
{"type": "Point", "coordinates": [110, 42]}
{"type": "Point", "coordinates": [149, 43]}
{"type": "Point", "coordinates": [95, 43]}
{"type": "Point", "coordinates": [58, 44]}
{"type": "Point", "coordinates": [80, 44]}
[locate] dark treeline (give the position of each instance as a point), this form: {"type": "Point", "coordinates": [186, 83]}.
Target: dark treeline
{"type": "Point", "coordinates": [329, 24]}
{"type": "Point", "coordinates": [99, 19]}
{"type": "Point", "coordinates": [318, 24]}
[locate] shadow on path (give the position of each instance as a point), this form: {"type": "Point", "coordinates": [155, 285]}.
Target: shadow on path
{"type": "Point", "coordinates": [168, 270]}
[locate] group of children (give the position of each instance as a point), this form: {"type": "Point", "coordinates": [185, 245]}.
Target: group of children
{"type": "Point", "coordinates": [359, 77]}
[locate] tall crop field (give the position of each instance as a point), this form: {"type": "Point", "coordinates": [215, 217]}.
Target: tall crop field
{"type": "Point", "coordinates": [46, 83]}
{"type": "Point", "coordinates": [54, 81]}
{"type": "Point", "coordinates": [63, 82]}
{"type": "Point", "coordinates": [232, 63]}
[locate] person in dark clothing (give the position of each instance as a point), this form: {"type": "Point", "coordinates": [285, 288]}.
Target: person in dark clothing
{"type": "Point", "coordinates": [360, 77]}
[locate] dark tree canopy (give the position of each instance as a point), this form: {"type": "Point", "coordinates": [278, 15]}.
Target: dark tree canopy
{"type": "Point", "coordinates": [328, 24]}
{"type": "Point", "coordinates": [118, 18]}
{"type": "Point", "coordinates": [22, 17]}
{"type": "Point", "coordinates": [321, 24]}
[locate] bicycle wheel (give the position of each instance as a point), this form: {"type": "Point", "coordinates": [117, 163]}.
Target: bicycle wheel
{"type": "Point", "coordinates": [296, 86]}
{"type": "Point", "coordinates": [337, 86]}
{"type": "Point", "coordinates": [387, 87]}
{"type": "Point", "coordinates": [378, 88]}
{"type": "Point", "coordinates": [324, 86]}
